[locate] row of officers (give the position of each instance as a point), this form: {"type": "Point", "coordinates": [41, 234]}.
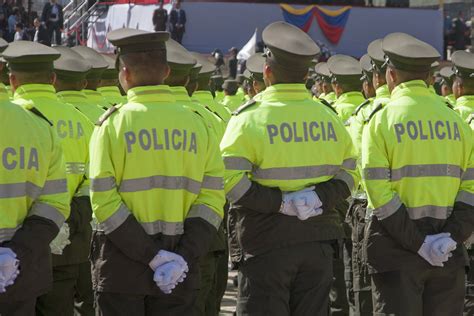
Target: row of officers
{"type": "Point", "coordinates": [354, 199]}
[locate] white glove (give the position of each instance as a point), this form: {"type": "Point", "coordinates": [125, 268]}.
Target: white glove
{"type": "Point", "coordinates": [8, 268]}
{"type": "Point", "coordinates": [443, 247]}
{"type": "Point", "coordinates": [168, 275]}
{"type": "Point", "coordinates": [301, 203]}
{"type": "Point", "coordinates": [427, 253]}
{"type": "Point", "coordinates": [163, 257]}
{"type": "Point", "coordinates": [61, 241]}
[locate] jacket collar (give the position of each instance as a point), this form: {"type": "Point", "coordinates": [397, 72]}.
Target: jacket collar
{"type": "Point", "coordinates": [35, 91]}
{"type": "Point", "coordinates": [161, 93]}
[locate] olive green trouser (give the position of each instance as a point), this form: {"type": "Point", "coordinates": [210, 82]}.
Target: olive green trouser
{"type": "Point", "coordinates": [469, 300]}
{"type": "Point", "coordinates": [292, 280]}
{"type": "Point", "coordinates": [24, 308]}
{"type": "Point", "coordinates": [69, 283]}
{"type": "Point", "coordinates": [419, 291]}
{"type": "Point", "coordinates": [342, 291]}
{"type": "Point", "coordinates": [214, 274]}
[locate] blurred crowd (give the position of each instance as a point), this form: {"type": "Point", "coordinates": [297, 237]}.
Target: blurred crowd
{"type": "Point", "coordinates": [16, 23]}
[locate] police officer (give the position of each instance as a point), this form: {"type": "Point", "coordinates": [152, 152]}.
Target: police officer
{"type": "Point", "coordinates": [71, 71]}
{"type": "Point", "coordinates": [345, 79]}
{"type": "Point", "coordinates": [447, 77]}
{"type": "Point", "coordinates": [463, 84]}
{"type": "Point", "coordinates": [255, 66]}
{"type": "Point", "coordinates": [99, 65]}
{"type": "Point", "coordinates": [3, 69]}
{"type": "Point", "coordinates": [286, 237]}
{"type": "Point", "coordinates": [417, 168]}
{"type": "Point", "coordinates": [156, 189]}
{"type": "Point", "coordinates": [346, 74]}
{"type": "Point", "coordinates": [356, 214]}
{"type": "Point", "coordinates": [249, 92]}
{"type": "Point", "coordinates": [216, 84]}
{"type": "Point", "coordinates": [181, 62]}
{"type": "Point", "coordinates": [191, 86]}
{"type": "Point", "coordinates": [109, 85]}
{"type": "Point", "coordinates": [367, 74]}
{"type": "Point", "coordinates": [231, 100]}
{"type": "Point", "coordinates": [203, 93]}
{"type": "Point", "coordinates": [35, 200]}
{"type": "Point", "coordinates": [322, 72]}
{"type": "Point", "coordinates": [31, 77]}
{"type": "Point", "coordinates": [240, 78]}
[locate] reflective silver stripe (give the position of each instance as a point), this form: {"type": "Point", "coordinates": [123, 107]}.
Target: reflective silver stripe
{"type": "Point", "coordinates": [114, 221]}
{"type": "Point", "coordinates": [239, 189]}
{"type": "Point", "coordinates": [413, 171]}
{"type": "Point", "coordinates": [54, 187]}
{"type": "Point", "coordinates": [84, 190]}
{"type": "Point", "coordinates": [376, 174]}
{"type": "Point", "coordinates": [350, 164]}
{"type": "Point", "coordinates": [165, 228]}
{"type": "Point", "coordinates": [213, 183]}
{"type": "Point", "coordinates": [237, 163]}
{"type": "Point", "coordinates": [47, 211]}
{"type": "Point", "coordinates": [347, 178]}
{"type": "Point", "coordinates": [432, 211]}
{"type": "Point", "coordinates": [160, 182]}
{"type": "Point", "coordinates": [75, 168]}
{"type": "Point", "coordinates": [102, 184]}
{"type": "Point", "coordinates": [465, 197]}
{"type": "Point", "coordinates": [12, 190]}
{"type": "Point", "coordinates": [206, 213]}
{"type": "Point", "coordinates": [432, 170]}
{"type": "Point", "coordinates": [296, 173]}
{"type": "Point", "coordinates": [388, 209]}
{"type": "Point", "coordinates": [468, 174]}
{"type": "Point", "coordinates": [7, 234]}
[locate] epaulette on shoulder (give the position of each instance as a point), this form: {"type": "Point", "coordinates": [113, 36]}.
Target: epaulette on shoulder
{"type": "Point", "coordinates": [327, 104]}
{"type": "Point", "coordinates": [106, 115]}
{"type": "Point", "coordinates": [470, 119]}
{"type": "Point", "coordinates": [38, 113]}
{"type": "Point", "coordinates": [449, 105]}
{"type": "Point", "coordinates": [372, 114]}
{"type": "Point", "coordinates": [360, 107]}
{"type": "Point", "coordinates": [244, 106]}
{"type": "Point", "coordinates": [215, 113]}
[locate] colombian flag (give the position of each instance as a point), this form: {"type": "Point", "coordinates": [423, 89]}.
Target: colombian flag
{"type": "Point", "coordinates": [331, 22]}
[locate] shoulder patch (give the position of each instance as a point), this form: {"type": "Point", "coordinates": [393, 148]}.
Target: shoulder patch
{"type": "Point", "coordinates": [360, 107]}
{"type": "Point", "coordinates": [327, 104]}
{"type": "Point", "coordinates": [449, 105]}
{"type": "Point", "coordinates": [372, 114]}
{"type": "Point", "coordinates": [38, 113]}
{"type": "Point", "coordinates": [106, 115]}
{"type": "Point", "coordinates": [244, 106]}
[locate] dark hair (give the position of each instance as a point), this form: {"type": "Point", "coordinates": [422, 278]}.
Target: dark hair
{"type": "Point", "coordinates": [19, 25]}
{"type": "Point", "coordinates": [284, 75]}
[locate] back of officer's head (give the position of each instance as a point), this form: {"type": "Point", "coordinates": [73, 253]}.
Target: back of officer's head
{"type": "Point", "coordinates": [408, 59]}
{"type": "Point", "coordinates": [346, 73]}
{"type": "Point", "coordinates": [289, 54]}
{"type": "Point", "coordinates": [377, 58]}
{"type": "Point", "coordinates": [30, 63]}
{"type": "Point", "coordinates": [141, 59]}
{"type": "Point", "coordinates": [181, 63]}
{"type": "Point", "coordinates": [463, 69]}
{"type": "Point", "coordinates": [230, 87]}
{"type": "Point", "coordinates": [143, 69]}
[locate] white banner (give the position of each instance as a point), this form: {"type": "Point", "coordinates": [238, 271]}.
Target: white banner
{"type": "Point", "coordinates": [249, 48]}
